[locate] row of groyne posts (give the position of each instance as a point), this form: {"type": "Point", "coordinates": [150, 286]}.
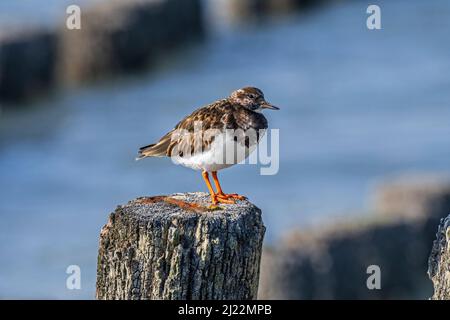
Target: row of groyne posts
{"type": "Point", "coordinates": [113, 37]}
{"type": "Point", "coordinates": [152, 248]}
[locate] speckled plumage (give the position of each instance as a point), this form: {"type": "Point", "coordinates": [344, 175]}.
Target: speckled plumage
{"type": "Point", "coordinates": [241, 111]}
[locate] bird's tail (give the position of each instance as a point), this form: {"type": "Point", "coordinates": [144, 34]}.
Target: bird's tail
{"type": "Point", "coordinates": [155, 150]}
{"type": "Point", "coordinates": [145, 151]}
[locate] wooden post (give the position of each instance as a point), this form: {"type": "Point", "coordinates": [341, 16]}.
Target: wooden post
{"type": "Point", "coordinates": [439, 262]}
{"type": "Point", "coordinates": [157, 248]}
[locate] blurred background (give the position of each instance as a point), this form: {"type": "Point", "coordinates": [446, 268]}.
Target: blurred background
{"type": "Point", "coordinates": [359, 108]}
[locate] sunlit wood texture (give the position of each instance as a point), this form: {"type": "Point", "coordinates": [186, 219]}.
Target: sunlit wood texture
{"type": "Point", "coordinates": [154, 249]}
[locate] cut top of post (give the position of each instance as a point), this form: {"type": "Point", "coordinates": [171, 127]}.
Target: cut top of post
{"type": "Point", "coordinates": [177, 205]}
{"type": "Point", "coordinates": [165, 247]}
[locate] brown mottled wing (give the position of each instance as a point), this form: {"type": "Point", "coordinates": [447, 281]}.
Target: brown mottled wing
{"type": "Point", "coordinates": [186, 138]}
{"type": "Point", "coordinates": [190, 135]}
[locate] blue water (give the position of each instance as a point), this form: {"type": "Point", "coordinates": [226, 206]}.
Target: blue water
{"type": "Point", "coordinates": [356, 106]}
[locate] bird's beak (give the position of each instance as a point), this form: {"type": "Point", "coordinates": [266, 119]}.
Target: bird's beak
{"type": "Point", "coordinates": [266, 105]}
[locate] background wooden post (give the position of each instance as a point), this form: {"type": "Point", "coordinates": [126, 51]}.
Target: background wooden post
{"type": "Point", "coordinates": [439, 262]}
{"type": "Point", "coordinates": [154, 248]}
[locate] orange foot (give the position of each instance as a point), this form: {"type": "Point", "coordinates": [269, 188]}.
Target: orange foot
{"type": "Point", "coordinates": [230, 197]}
{"type": "Point", "coordinates": [216, 198]}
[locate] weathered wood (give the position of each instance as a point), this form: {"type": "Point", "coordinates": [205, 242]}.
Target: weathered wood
{"type": "Point", "coordinates": [153, 248]}
{"type": "Point", "coordinates": [116, 37]}
{"type": "Point", "coordinates": [330, 261]}
{"type": "Point", "coordinates": [439, 262]}
{"type": "Point", "coordinates": [124, 36]}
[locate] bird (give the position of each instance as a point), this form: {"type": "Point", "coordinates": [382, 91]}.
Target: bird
{"type": "Point", "coordinates": [216, 136]}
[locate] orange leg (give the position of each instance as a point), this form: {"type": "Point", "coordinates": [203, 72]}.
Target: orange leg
{"type": "Point", "coordinates": [220, 194]}
{"type": "Point", "coordinates": [214, 197]}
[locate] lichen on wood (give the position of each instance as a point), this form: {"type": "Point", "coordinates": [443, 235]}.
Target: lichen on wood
{"type": "Point", "coordinates": [156, 249]}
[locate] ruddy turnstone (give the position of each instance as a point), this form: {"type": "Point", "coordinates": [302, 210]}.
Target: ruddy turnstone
{"type": "Point", "coordinates": [215, 137]}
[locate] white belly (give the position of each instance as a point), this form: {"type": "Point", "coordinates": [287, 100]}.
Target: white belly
{"type": "Point", "coordinates": [223, 153]}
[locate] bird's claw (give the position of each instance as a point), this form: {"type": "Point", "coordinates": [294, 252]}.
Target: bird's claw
{"type": "Point", "coordinates": [219, 199]}
{"type": "Point", "coordinates": [233, 196]}
{"type": "Point", "coordinates": [227, 198]}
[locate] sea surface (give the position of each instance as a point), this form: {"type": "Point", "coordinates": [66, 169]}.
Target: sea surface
{"type": "Point", "coordinates": [357, 106]}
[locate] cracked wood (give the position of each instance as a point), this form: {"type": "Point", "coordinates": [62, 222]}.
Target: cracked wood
{"type": "Point", "coordinates": [156, 249]}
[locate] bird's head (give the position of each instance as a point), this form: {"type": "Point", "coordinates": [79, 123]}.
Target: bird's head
{"type": "Point", "coordinates": [251, 98]}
